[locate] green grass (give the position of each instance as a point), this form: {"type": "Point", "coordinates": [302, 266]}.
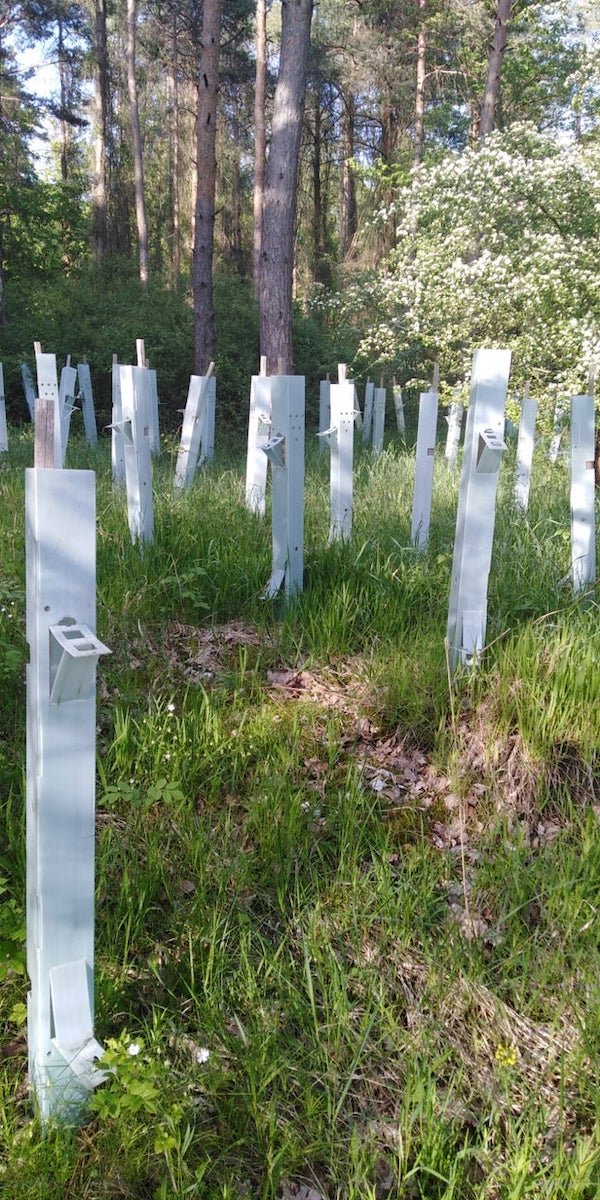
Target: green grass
{"type": "Point", "coordinates": [388, 1010]}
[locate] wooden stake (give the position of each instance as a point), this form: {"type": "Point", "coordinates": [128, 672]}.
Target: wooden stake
{"type": "Point", "coordinates": [341, 372]}
{"type": "Point", "coordinates": [140, 350]}
{"type": "Point", "coordinates": [263, 365]}
{"type": "Point", "coordinates": [37, 347]}
{"type": "Point", "coordinates": [43, 448]}
{"type": "Point", "coordinates": [435, 385]}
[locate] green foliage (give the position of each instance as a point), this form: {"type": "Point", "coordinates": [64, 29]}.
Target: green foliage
{"type": "Point", "coordinates": [498, 246]}
{"type": "Point", "coordinates": [12, 933]}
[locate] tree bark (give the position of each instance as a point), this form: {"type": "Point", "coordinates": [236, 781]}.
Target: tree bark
{"type": "Point", "coordinates": [260, 138]}
{"type": "Point", "coordinates": [63, 72]}
{"type": "Point", "coordinates": [100, 111]}
{"type": "Point", "coordinates": [281, 189]}
{"type": "Point", "coordinates": [420, 93]}
{"type": "Point", "coordinates": [138, 161]}
{"type": "Point", "coordinates": [494, 68]}
{"type": "Point", "coordinates": [206, 171]}
{"type": "Point", "coordinates": [174, 156]}
{"type": "Point", "coordinates": [348, 213]}
{"type": "Point", "coordinates": [319, 232]}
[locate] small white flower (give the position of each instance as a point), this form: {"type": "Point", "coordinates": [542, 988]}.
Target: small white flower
{"type": "Point", "coordinates": [202, 1055]}
{"type": "Point", "coordinates": [133, 1049]}
{"type": "Point", "coordinates": [171, 707]}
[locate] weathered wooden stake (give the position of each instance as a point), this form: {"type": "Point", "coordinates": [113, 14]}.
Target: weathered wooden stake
{"type": "Point", "coordinates": [285, 451]}
{"type": "Point", "coordinates": [525, 446]}
{"type": "Point", "coordinates": [583, 493]}
{"type": "Point", "coordinates": [61, 764]}
{"type": "Point", "coordinates": [484, 447]}
{"type": "Point", "coordinates": [43, 446]}
{"type": "Point", "coordinates": [48, 390]}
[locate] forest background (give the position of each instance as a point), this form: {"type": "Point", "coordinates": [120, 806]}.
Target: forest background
{"type": "Point", "coordinates": [447, 192]}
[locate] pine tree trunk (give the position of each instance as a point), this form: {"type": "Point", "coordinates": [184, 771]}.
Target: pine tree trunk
{"type": "Point", "coordinates": [64, 101]}
{"type": "Point", "coordinates": [260, 151]}
{"type": "Point", "coordinates": [281, 189]}
{"type": "Point", "coordinates": [492, 83]}
{"type": "Point", "coordinates": [100, 111]}
{"type": "Point", "coordinates": [138, 161]}
{"type": "Point", "coordinates": [348, 214]}
{"type": "Point", "coordinates": [420, 94]}
{"type": "Point", "coordinates": [174, 157]}
{"type": "Point", "coordinates": [318, 230]}
{"type": "Point", "coordinates": [206, 169]}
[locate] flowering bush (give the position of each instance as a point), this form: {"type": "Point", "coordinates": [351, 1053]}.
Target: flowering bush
{"type": "Point", "coordinates": [496, 246]}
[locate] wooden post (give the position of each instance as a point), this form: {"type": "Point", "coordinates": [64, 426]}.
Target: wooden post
{"type": "Point", "coordinates": [43, 446]}
{"type": "Point", "coordinates": [48, 390]}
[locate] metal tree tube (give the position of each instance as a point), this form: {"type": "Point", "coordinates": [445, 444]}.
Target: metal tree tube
{"type": "Point", "coordinates": [484, 446]}
{"type": "Point", "coordinates": [61, 759]}
{"type": "Point", "coordinates": [454, 419]}
{"type": "Point", "coordinates": [285, 451]}
{"type": "Point", "coordinates": [378, 419]}
{"type": "Point", "coordinates": [87, 403]}
{"type": "Point", "coordinates": [259, 430]}
{"type": "Point", "coordinates": [426, 435]}
{"type": "Point", "coordinates": [525, 445]}
{"type": "Point", "coordinates": [135, 430]}
{"type": "Point", "coordinates": [583, 493]}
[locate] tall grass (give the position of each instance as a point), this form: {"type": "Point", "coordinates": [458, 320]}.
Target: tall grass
{"type": "Point", "coordinates": [282, 939]}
